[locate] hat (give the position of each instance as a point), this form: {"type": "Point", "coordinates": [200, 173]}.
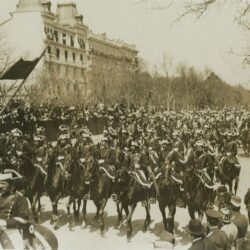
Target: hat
{"type": "Point", "coordinates": [200, 143]}
{"type": "Point", "coordinates": [86, 135]}
{"type": "Point", "coordinates": [72, 108]}
{"type": "Point", "coordinates": [195, 227]}
{"type": "Point", "coordinates": [64, 137]}
{"type": "Point", "coordinates": [221, 189]}
{"type": "Point", "coordinates": [63, 128]}
{"type": "Point", "coordinates": [39, 138]}
{"type": "Point", "coordinates": [40, 129]}
{"type": "Point", "coordinates": [166, 142]}
{"type": "Point", "coordinates": [229, 134]}
{"type": "Point", "coordinates": [236, 201]}
{"type": "Point", "coordinates": [16, 132]}
{"type": "Point", "coordinates": [211, 213]}
{"type": "Point", "coordinates": [176, 132]}
{"type": "Point", "coordinates": [134, 144]}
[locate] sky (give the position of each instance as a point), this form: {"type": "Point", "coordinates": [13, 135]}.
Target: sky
{"type": "Point", "coordinates": [204, 43]}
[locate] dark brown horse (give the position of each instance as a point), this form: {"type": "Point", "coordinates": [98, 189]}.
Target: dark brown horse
{"type": "Point", "coordinates": [79, 189]}
{"type": "Point", "coordinates": [228, 172]}
{"type": "Point", "coordinates": [35, 187]}
{"type": "Point", "coordinates": [168, 191]}
{"type": "Point", "coordinates": [245, 138]}
{"type": "Point", "coordinates": [100, 190]}
{"type": "Point", "coordinates": [197, 194]}
{"type": "Point", "coordinates": [130, 192]}
{"type": "Point", "coordinates": [56, 185]}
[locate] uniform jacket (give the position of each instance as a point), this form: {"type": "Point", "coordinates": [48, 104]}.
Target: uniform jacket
{"type": "Point", "coordinates": [14, 207]}
{"type": "Point", "coordinates": [202, 244]}
{"type": "Point", "coordinates": [241, 222]}
{"type": "Point", "coordinates": [219, 238]}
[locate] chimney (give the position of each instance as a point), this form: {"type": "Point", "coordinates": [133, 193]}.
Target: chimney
{"type": "Point", "coordinates": [67, 13]}
{"type": "Point", "coordinates": [46, 5]}
{"type": "Point", "coordinates": [29, 5]}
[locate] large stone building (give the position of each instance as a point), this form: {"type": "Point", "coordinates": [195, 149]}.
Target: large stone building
{"type": "Point", "coordinates": [73, 51]}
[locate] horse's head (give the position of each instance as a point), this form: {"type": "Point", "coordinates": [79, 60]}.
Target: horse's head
{"type": "Point", "coordinates": [89, 170]}
{"type": "Point", "coordinates": [191, 178]}
{"type": "Point", "coordinates": [121, 180]}
{"type": "Point", "coordinates": [230, 167]}
{"type": "Point", "coordinates": [166, 176]}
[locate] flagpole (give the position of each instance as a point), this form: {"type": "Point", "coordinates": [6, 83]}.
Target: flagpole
{"type": "Point", "coordinates": [23, 81]}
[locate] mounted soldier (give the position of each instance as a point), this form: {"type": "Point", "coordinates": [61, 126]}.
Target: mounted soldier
{"type": "Point", "coordinates": [64, 151]}
{"type": "Point", "coordinates": [166, 147]}
{"type": "Point", "coordinates": [41, 151]}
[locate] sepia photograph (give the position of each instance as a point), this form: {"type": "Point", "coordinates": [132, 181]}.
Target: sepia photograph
{"type": "Point", "coordinates": [125, 124]}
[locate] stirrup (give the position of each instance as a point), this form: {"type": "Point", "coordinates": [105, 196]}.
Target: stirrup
{"type": "Point", "coordinates": [114, 197]}
{"type": "Point", "coordinates": [86, 196]}
{"type": "Point", "coordinates": [144, 203]}
{"type": "Point", "coordinates": [152, 200]}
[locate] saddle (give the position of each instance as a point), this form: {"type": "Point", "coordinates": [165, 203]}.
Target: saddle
{"type": "Point", "coordinates": [109, 170]}
{"type": "Point", "coordinates": [141, 178]}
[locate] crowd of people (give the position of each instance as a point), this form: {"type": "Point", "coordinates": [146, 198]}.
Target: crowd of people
{"type": "Point", "coordinates": [203, 143]}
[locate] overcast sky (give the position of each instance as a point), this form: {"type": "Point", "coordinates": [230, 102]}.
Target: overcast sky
{"type": "Point", "coordinates": [206, 43]}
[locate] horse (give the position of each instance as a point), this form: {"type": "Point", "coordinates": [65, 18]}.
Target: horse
{"type": "Point", "coordinates": [35, 186]}
{"type": "Point", "coordinates": [197, 192]}
{"type": "Point", "coordinates": [245, 138]}
{"type": "Point", "coordinates": [79, 190]}
{"type": "Point", "coordinates": [56, 185]}
{"type": "Point", "coordinates": [100, 190]}
{"type": "Point", "coordinates": [130, 192]}
{"type": "Point", "coordinates": [228, 172]}
{"type": "Point", "coordinates": [34, 177]}
{"type": "Point", "coordinates": [167, 197]}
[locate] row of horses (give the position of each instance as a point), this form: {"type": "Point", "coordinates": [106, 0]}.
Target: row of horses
{"type": "Point", "coordinates": [98, 182]}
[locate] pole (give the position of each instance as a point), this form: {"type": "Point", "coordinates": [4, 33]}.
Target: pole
{"type": "Point", "coordinates": [22, 83]}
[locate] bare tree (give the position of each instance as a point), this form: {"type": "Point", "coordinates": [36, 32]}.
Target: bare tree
{"type": "Point", "coordinates": [198, 8]}
{"type": "Point", "coordinates": [5, 62]}
{"type": "Point", "coordinates": [166, 66]}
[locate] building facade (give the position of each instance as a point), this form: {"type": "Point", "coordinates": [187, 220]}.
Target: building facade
{"type": "Point", "coordinates": [74, 52]}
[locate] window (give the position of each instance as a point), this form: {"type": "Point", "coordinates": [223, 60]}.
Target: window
{"type": "Point", "coordinates": [57, 53]}
{"type": "Point", "coordinates": [66, 55]}
{"type": "Point", "coordinates": [56, 35]}
{"type": "Point", "coordinates": [74, 57]}
{"type": "Point", "coordinates": [72, 41]}
{"type": "Point", "coordinates": [49, 33]}
{"type": "Point", "coordinates": [49, 50]}
{"type": "Point", "coordinates": [64, 39]}
{"type": "Point", "coordinates": [81, 43]}
{"type": "Point", "coordinates": [81, 57]}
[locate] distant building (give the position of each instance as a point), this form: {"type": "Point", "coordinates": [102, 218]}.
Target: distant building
{"type": "Point", "coordinates": [74, 51]}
